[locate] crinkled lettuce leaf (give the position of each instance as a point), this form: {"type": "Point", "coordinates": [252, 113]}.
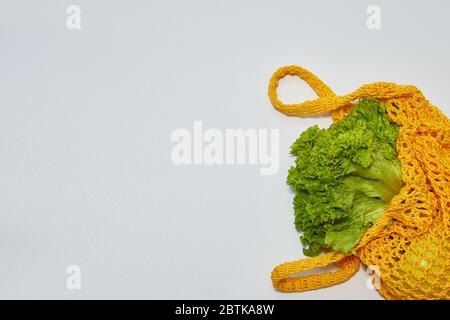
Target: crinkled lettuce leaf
{"type": "Point", "coordinates": [343, 177]}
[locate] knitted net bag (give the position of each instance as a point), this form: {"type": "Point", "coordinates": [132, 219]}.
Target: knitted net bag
{"type": "Point", "coordinates": [410, 242]}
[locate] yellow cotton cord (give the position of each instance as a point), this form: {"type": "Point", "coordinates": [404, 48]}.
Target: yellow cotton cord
{"type": "Point", "coordinates": [410, 242]}
{"type": "Point", "coordinates": [348, 265]}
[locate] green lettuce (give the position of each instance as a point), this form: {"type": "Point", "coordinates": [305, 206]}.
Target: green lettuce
{"type": "Point", "coordinates": [343, 177]}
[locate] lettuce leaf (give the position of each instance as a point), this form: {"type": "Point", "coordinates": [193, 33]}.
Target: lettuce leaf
{"type": "Point", "coordinates": [343, 177]}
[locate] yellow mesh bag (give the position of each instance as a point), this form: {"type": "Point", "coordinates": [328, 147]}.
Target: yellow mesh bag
{"type": "Point", "coordinates": [410, 242]}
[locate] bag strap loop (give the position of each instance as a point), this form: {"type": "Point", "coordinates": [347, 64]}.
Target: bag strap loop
{"type": "Point", "coordinates": [308, 107]}
{"type": "Point", "coordinates": [328, 100]}
{"type": "Point", "coordinates": [282, 279]}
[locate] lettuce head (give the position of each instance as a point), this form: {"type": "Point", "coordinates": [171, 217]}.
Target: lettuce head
{"type": "Point", "coordinates": [343, 177]}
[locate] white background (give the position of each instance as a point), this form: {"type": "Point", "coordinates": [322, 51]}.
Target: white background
{"type": "Point", "coordinates": [86, 117]}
